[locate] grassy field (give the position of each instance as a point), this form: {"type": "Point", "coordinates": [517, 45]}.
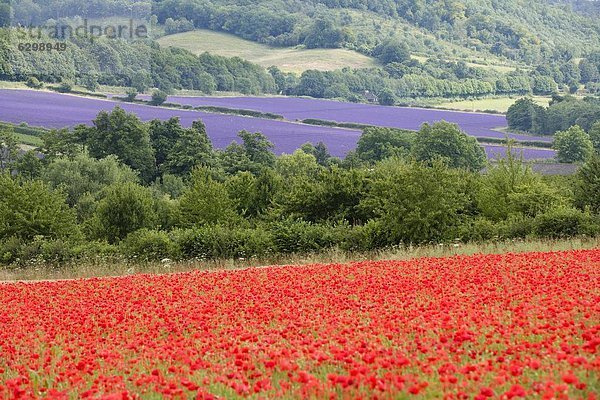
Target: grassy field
{"type": "Point", "coordinates": [102, 268]}
{"type": "Point", "coordinates": [287, 59]}
{"type": "Point", "coordinates": [500, 104]}
{"type": "Point", "coordinates": [28, 140]}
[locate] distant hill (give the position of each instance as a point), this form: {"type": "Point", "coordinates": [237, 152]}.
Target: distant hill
{"type": "Point", "coordinates": [287, 59]}
{"type": "Point", "coordinates": [511, 30]}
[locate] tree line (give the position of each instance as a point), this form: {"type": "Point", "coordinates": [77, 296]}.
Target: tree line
{"type": "Point", "coordinates": [124, 188]}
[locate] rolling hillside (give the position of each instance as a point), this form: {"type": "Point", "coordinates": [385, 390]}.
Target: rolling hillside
{"type": "Point", "coordinates": [287, 59]}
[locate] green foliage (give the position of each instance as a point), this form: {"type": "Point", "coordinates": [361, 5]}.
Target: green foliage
{"type": "Point", "coordinates": [376, 144]}
{"type": "Point", "coordinates": [60, 143]}
{"type": "Point", "coordinates": [573, 145]}
{"type": "Point", "coordinates": [131, 94]}
{"type": "Point", "coordinates": [332, 194]}
{"type": "Point", "coordinates": [123, 135]}
{"type": "Point", "coordinates": [34, 83]}
{"type": "Point", "coordinates": [253, 155]}
{"type": "Point", "coordinates": [9, 148]}
{"type": "Point", "coordinates": [387, 97]}
{"type": "Point", "coordinates": [83, 175]}
{"type": "Point", "coordinates": [594, 134]}
{"type": "Point", "coordinates": [30, 208]}
{"type": "Point", "coordinates": [125, 208]}
{"type": "Point", "coordinates": [149, 245]}
{"type": "Point", "coordinates": [392, 51]}
{"type": "Point", "coordinates": [587, 192]}
{"type": "Point", "coordinates": [65, 87]}
{"type": "Point", "coordinates": [446, 141]}
{"type": "Point", "coordinates": [562, 222]}
{"type": "Point", "coordinates": [417, 203]}
{"type": "Point", "coordinates": [298, 236]}
{"type": "Point", "coordinates": [510, 188]}
{"type": "Point", "coordinates": [178, 150]}
{"type": "Point", "coordinates": [206, 201]}
{"type": "Point", "coordinates": [216, 241]}
{"type": "Point", "coordinates": [525, 115]}
{"type": "Point", "coordinates": [158, 98]}
{"type": "Point", "coordinates": [29, 165]}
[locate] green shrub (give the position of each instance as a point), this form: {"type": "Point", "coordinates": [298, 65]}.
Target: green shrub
{"type": "Point", "coordinates": [562, 222]}
{"type": "Point", "coordinates": [516, 227]}
{"type": "Point", "coordinates": [158, 98]}
{"type": "Point", "coordinates": [64, 87]}
{"type": "Point", "coordinates": [34, 83]}
{"type": "Point", "coordinates": [213, 242]}
{"type": "Point", "coordinates": [149, 245]}
{"type": "Point", "coordinates": [301, 237]}
{"type": "Point", "coordinates": [478, 230]}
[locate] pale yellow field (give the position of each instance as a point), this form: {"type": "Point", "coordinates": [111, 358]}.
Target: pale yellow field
{"type": "Point", "coordinates": [497, 104]}
{"type": "Point", "coordinates": [287, 59]}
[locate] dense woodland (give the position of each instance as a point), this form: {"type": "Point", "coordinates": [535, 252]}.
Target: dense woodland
{"type": "Point", "coordinates": [558, 46]}
{"type": "Point", "coordinates": [124, 188]}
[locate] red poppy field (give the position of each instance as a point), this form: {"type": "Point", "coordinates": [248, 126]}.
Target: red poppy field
{"type": "Point", "coordinates": [497, 326]}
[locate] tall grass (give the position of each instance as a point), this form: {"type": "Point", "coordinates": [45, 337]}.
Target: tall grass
{"type": "Point", "coordinates": [123, 267]}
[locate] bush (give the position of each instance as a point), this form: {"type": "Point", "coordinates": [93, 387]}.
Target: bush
{"type": "Point", "coordinates": [301, 237]}
{"type": "Point", "coordinates": [40, 249]}
{"type": "Point", "coordinates": [214, 242]}
{"type": "Point", "coordinates": [64, 87]}
{"type": "Point", "coordinates": [516, 227]}
{"type": "Point", "coordinates": [149, 245]}
{"type": "Point", "coordinates": [158, 98]}
{"type": "Point", "coordinates": [131, 94]}
{"type": "Point", "coordinates": [478, 230]}
{"type": "Point", "coordinates": [125, 208]}
{"type": "Point", "coordinates": [34, 83]}
{"type": "Point", "coordinates": [562, 222]}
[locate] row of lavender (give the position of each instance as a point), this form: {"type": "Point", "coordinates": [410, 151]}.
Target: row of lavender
{"type": "Point", "coordinates": [297, 108]}
{"type": "Point", "coordinates": [53, 110]}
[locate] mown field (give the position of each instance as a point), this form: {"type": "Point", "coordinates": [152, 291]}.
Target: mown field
{"type": "Point", "coordinates": [495, 326]}
{"type": "Point", "coordinates": [287, 59]}
{"type": "Point", "coordinates": [500, 104]}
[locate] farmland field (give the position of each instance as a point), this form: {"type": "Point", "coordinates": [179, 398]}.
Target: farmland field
{"type": "Point", "coordinates": [287, 59]}
{"type": "Point", "coordinates": [483, 326]}
{"type": "Point", "coordinates": [497, 104]}
{"type": "Point", "coordinates": [53, 110]}
{"type": "Point", "coordinates": [295, 108]}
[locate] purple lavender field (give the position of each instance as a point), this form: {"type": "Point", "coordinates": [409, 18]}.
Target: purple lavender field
{"type": "Point", "coordinates": [54, 110]}
{"type": "Point", "coordinates": [295, 108]}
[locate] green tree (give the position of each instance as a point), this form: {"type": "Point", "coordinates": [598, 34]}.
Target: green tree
{"type": "Point", "coordinates": [417, 203]}
{"type": "Point", "coordinates": [376, 144]}
{"type": "Point", "coordinates": [525, 115]}
{"type": "Point", "coordinates": [123, 135]}
{"type": "Point", "coordinates": [29, 208]}
{"type": "Point", "coordinates": [587, 191]}
{"type": "Point", "coordinates": [29, 165]}
{"type": "Point", "coordinates": [594, 134]}
{"type": "Point", "coordinates": [60, 143]}
{"type": "Point", "coordinates": [387, 97]}
{"type": "Point", "coordinates": [9, 150]}
{"type": "Point", "coordinates": [206, 201]}
{"type": "Point", "coordinates": [509, 188]}
{"type": "Point", "coordinates": [333, 195]}
{"type": "Point", "coordinates": [125, 208]}
{"type": "Point", "coordinates": [253, 155]}
{"type": "Point", "coordinates": [319, 151]}
{"type": "Point", "coordinates": [446, 141]}
{"type": "Point", "coordinates": [573, 145]}
{"type": "Point", "coordinates": [391, 51]}
{"type": "Point", "coordinates": [158, 98]}
{"type": "Point", "coordinates": [83, 175]}
{"type": "Point", "coordinates": [178, 150]}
